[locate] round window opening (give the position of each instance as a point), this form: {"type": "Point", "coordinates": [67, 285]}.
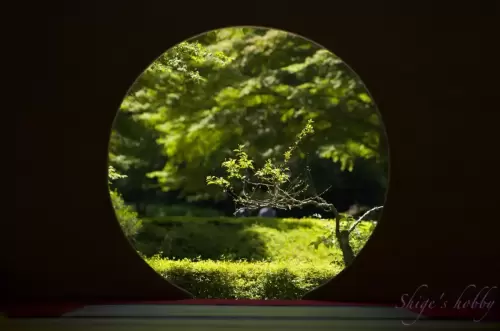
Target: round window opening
{"type": "Point", "coordinates": [248, 163]}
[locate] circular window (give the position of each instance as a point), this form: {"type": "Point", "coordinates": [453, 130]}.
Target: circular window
{"type": "Point", "coordinates": [248, 163]}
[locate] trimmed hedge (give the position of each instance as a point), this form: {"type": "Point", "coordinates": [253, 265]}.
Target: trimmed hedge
{"type": "Point", "coordinates": [244, 280]}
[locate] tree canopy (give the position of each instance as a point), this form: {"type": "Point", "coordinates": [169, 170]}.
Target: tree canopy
{"type": "Point", "coordinates": [248, 87]}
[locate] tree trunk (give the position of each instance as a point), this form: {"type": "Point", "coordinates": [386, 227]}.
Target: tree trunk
{"type": "Point", "coordinates": [345, 247]}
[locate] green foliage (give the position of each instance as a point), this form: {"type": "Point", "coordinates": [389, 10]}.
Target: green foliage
{"type": "Point", "coordinates": [126, 215]}
{"type": "Point", "coordinates": [232, 239]}
{"type": "Point", "coordinates": [244, 280]}
{"type": "Point", "coordinates": [269, 179]}
{"type": "Point", "coordinates": [114, 175]}
{"type": "Point", "coordinates": [133, 145]}
{"type": "Point", "coordinates": [242, 86]}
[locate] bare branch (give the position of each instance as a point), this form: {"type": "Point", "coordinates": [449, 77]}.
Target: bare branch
{"type": "Point", "coordinates": [359, 220]}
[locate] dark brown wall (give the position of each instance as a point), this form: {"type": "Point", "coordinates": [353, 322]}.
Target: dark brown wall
{"type": "Point", "coordinates": [434, 78]}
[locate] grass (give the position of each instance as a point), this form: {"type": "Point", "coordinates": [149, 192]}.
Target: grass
{"type": "Point", "coordinates": [234, 239]}
{"type": "Point", "coordinates": [231, 239]}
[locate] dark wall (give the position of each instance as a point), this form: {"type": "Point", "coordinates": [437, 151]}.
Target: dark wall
{"type": "Point", "coordinates": [432, 76]}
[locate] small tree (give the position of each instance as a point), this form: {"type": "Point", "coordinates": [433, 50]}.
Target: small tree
{"type": "Point", "coordinates": [283, 192]}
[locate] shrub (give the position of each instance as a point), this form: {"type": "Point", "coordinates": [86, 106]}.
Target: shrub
{"type": "Point", "coordinates": [244, 280]}
{"type": "Point", "coordinates": [126, 215]}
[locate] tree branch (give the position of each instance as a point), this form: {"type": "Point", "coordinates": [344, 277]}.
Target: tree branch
{"type": "Point", "coordinates": [359, 220]}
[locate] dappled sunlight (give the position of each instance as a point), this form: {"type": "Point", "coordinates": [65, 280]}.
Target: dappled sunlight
{"type": "Point", "coordinates": [291, 242]}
